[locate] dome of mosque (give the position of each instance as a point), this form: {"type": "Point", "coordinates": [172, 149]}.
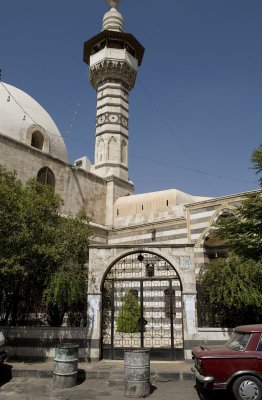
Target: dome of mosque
{"type": "Point", "coordinates": [23, 119]}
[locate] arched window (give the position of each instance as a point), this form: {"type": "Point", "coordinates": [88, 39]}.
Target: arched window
{"type": "Point", "coordinates": [150, 270]}
{"type": "Point", "coordinates": [169, 299]}
{"type": "Point", "coordinates": [37, 140]}
{"type": "Point", "coordinates": [214, 247]}
{"type": "Point", "coordinates": [112, 149]}
{"type": "Point", "coordinates": [100, 151]}
{"type": "Point", "coordinates": [46, 176]}
{"type": "Point", "coordinates": [123, 152]}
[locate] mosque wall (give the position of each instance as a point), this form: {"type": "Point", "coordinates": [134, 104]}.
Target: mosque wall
{"type": "Point", "coordinates": [169, 232]}
{"type": "Point", "coordinates": [202, 217]}
{"type": "Point", "coordinates": [81, 191]}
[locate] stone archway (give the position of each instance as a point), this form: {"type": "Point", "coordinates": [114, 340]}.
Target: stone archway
{"type": "Point", "coordinates": [213, 246]}
{"type": "Point", "coordinates": [142, 307]}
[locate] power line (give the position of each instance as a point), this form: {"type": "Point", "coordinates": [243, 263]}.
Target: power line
{"type": "Point", "coordinates": [173, 135]}
{"type": "Point", "coordinates": [196, 170]}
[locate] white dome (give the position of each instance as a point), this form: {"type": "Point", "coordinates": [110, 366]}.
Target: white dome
{"type": "Point", "coordinates": [21, 116]}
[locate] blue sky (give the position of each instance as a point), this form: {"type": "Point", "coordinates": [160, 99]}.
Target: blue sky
{"type": "Point", "coordinates": [196, 109]}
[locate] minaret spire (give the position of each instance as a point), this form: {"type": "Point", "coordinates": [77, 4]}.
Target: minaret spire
{"type": "Point", "coordinates": [113, 20]}
{"type": "Point", "coordinates": [114, 57]}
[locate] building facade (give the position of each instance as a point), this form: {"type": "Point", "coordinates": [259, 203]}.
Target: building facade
{"type": "Point", "coordinates": [147, 248]}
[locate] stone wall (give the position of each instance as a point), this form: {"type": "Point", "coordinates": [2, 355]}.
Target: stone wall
{"type": "Point", "coordinates": [80, 190]}
{"type": "Point", "coordinates": [38, 343]}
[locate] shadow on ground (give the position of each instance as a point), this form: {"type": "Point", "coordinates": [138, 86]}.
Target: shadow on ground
{"type": "Point", "coordinates": [213, 394]}
{"type": "Point", "coordinates": [81, 376]}
{"type": "Point", "coordinates": [5, 374]}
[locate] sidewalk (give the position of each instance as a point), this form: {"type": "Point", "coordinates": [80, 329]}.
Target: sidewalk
{"type": "Point", "coordinates": [111, 371]}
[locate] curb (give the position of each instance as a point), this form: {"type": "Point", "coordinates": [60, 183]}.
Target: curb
{"type": "Point", "coordinates": [114, 378]}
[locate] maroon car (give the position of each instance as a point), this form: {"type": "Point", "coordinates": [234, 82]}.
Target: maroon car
{"type": "Point", "coordinates": [236, 366]}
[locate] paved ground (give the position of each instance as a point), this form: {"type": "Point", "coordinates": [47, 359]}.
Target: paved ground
{"type": "Point", "coordinates": [97, 389]}
{"type": "Point", "coordinates": [99, 381]}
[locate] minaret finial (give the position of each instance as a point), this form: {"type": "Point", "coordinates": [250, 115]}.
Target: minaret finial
{"type": "Point", "coordinates": [113, 20]}
{"type": "Point", "coordinates": [113, 3]}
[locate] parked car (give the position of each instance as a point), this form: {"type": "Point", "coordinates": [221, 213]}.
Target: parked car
{"type": "Point", "coordinates": [235, 366]}
{"type": "Point", "coordinates": [3, 353]}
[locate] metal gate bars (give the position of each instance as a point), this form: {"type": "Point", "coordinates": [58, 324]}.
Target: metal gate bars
{"type": "Point", "coordinates": [142, 308]}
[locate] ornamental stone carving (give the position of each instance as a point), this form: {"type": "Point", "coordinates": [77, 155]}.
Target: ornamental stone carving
{"type": "Point", "coordinates": [112, 118]}
{"type": "Point", "coordinates": [116, 71]}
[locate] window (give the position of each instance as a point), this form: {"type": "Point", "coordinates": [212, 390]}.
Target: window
{"type": "Point", "coordinates": [169, 300]}
{"type": "Point", "coordinates": [99, 46]}
{"type": "Point", "coordinates": [123, 152]}
{"type": "Point", "coordinates": [46, 177]}
{"type": "Point", "coordinates": [130, 50]}
{"type": "Point", "coordinates": [115, 44]}
{"type": "Point", "coordinates": [150, 270]}
{"type": "Point", "coordinates": [112, 149]}
{"type": "Point", "coordinates": [79, 163]}
{"type": "Point", "coordinates": [259, 348]}
{"type": "Point", "coordinates": [134, 292]}
{"type": "Point", "coordinates": [37, 140]}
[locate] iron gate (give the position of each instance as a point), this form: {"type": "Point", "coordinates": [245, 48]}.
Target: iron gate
{"type": "Point", "coordinates": [142, 308]}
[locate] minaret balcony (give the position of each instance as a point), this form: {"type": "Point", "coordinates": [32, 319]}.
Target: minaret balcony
{"type": "Point", "coordinates": [111, 54]}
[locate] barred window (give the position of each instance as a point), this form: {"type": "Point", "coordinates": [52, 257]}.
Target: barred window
{"type": "Point", "coordinates": [169, 299]}
{"type": "Point", "coordinates": [150, 270]}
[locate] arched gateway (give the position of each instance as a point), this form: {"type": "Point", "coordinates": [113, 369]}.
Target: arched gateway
{"type": "Point", "coordinates": [142, 307]}
{"type": "Point", "coordinates": [142, 296]}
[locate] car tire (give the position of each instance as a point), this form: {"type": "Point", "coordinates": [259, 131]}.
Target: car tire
{"type": "Point", "coordinates": [247, 387]}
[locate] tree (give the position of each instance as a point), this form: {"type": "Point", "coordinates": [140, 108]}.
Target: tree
{"type": "Point", "coordinates": [230, 292]}
{"type": "Point", "coordinates": [242, 230]}
{"type": "Point", "coordinates": [256, 160]}
{"type": "Point", "coordinates": [128, 318]}
{"type": "Point", "coordinates": [67, 286]}
{"type": "Point", "coordinates": [230, 289]}
{"type": "Point", "coordinates": [36, 243]}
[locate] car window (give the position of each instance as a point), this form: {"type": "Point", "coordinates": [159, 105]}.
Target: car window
{"type": "Point", "coordinates": [259, 347]}
{"type": "Point", "coordinates": [238, 341]}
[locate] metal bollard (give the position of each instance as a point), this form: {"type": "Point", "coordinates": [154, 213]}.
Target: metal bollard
{"type": "Point", "coordinates": [65, 365]}
{"type": "Point", "coordinates": [137, 373]}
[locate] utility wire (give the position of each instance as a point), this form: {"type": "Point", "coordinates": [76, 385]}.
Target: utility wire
{"type": "Point", "coordinates": [68, 137]}
{"type": "Point", "coordinates": [173, 135]}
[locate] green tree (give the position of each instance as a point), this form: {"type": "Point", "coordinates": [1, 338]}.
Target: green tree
{"type": "Point", "coordinates": [36, 243]}
{"type": "Point", "coordinates": [242, 230]}
{"type": "Point", "coordinates": [256, 160]}
{"type": "Point", "coordinates": [230, 289]}
{"type": "Point", "coordinates": [128, 318]}
{"type": "Point", "coordinates": [67, 286]}
{"type": "Point", "coordinates": [230, 292]}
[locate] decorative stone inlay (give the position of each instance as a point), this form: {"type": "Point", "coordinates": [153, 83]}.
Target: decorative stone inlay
{"type": "Point", "coordinates": [124, 121]}
{"type": "Point", "coordinates": [112, 118]}
{"type": "Point", "coordinates": [118, 71]}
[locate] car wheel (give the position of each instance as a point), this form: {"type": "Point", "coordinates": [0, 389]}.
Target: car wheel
{"type": "Point", "coordinates": [247, 387]}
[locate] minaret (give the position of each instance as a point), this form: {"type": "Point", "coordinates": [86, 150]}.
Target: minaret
{"type": "Point", "coordinates": [113, 57]}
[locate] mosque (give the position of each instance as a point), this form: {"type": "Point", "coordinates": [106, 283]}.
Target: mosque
{"type": "Point", "coordinates": [150, 245]}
